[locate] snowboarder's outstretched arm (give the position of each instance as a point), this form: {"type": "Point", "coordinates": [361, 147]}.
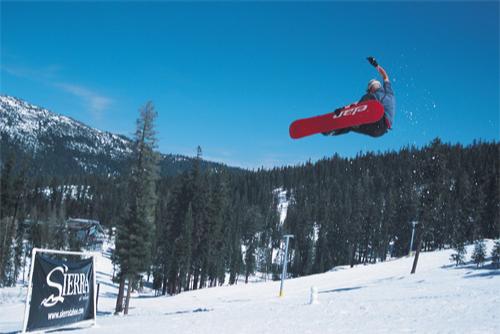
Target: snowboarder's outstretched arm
{"type": "Point", "coordinates": [379, 68]}
{"type": "Point", "coordinates": [383, 73]}
{"type": "Point", "coordinates": [385, 96]}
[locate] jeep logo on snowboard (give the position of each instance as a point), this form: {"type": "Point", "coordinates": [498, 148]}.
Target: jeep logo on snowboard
{"type": "Point", "coordinates": [351, 111]}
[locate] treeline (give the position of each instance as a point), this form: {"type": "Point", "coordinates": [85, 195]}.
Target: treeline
{"type": "Point", "coordinates": [212, 223]}
{"type": "Point", "coordinates": [359, 210]}
{"type": "Point", "coordinates": [189, 231]}
{"type": "Point", "coordinates": [342, 211]}
{"type": "Point", "coordinates": [34, 209]}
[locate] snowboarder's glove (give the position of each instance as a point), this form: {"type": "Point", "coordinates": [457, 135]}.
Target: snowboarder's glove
{"type": "Point", "coordinates": [372, 61]}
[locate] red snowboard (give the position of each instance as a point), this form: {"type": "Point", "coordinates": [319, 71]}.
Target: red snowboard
{"type": "Point", "coordinates": [356, 114]}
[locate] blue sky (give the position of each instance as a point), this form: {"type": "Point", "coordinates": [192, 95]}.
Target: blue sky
{"type": "Point", "coordinates": [231, 77]}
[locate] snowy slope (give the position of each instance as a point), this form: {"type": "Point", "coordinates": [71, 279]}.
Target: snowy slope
{"type": "Point", "coordinates": [283, 203]}
{"type": "Point", "coordinates": [380, 298]}
{"type": "Point", "coordinates": [282, 208]}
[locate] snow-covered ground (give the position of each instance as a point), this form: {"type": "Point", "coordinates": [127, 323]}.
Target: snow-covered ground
{"type": "Point", "coordinates": [283, 203]}
{"type": "Point", "coordinates": [379, 298]}
{"type": "Point", "coordinates": [282, 208]}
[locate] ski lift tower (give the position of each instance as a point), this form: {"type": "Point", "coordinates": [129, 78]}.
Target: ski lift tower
{"type": "Point", "coordinates": [285, 260]}
{"type": "Point", "coordinates": [414, 223]}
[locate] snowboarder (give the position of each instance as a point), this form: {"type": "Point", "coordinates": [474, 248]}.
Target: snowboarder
{"type": "Point", "coordinates": [384, 95]}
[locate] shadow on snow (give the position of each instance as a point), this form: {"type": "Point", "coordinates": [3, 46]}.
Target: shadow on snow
{"type": "Point", "coordinates": [342, 289]}
{"type": "Point", "coordinates": [198, 310]}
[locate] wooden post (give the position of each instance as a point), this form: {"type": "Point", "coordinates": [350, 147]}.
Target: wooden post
{"type": "Point", "coordinates": [417, 253]}
{"type": "Point", "coordinates": [119, 299]}
{"type": "Point", "coordinates": [127, 299]}
{"type": "Point", "coordinates": [97, 296]}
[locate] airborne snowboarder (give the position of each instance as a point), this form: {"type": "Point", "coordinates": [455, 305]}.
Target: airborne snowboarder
{"type": "Point", "coordinates": [372, 115]}
{"type": "Point", "coordinates": [384, 95]}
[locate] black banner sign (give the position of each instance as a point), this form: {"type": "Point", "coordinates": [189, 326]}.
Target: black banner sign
{"type": "Point", "coordinates": [62, 292]}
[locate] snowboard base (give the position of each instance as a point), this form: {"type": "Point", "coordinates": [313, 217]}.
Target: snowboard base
{"type": "Point", "coordinates": [353, 115]}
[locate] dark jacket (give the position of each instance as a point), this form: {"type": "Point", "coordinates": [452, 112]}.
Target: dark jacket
{"type": "Point", "coordinates": [384, 95]}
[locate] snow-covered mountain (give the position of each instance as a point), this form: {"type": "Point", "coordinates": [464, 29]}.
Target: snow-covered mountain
{"type": "Point", "coordinates": [35, 128]}
{"type": "Point", "coordinates": [58, 144]}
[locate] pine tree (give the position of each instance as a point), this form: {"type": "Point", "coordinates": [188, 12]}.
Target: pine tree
{"type": "Point", "coordinates": [235, 259]}
{"type": "Point", "coordinates": [135, 232]}
{"type": "Point", "coordinates": [12, 184]}
{"type": "Point", "coordinates": [19, 248]}
{"type": "Point", "coordinates": [459, 256]}
{"type": "Point", "coordinates": [479, 253]}
{"type": "Point", "coordinates": [252, 221]}
{"type": "Point", "coordinates": [182, 250]}
{"type": "Point", "coordinates": [495, 254]}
